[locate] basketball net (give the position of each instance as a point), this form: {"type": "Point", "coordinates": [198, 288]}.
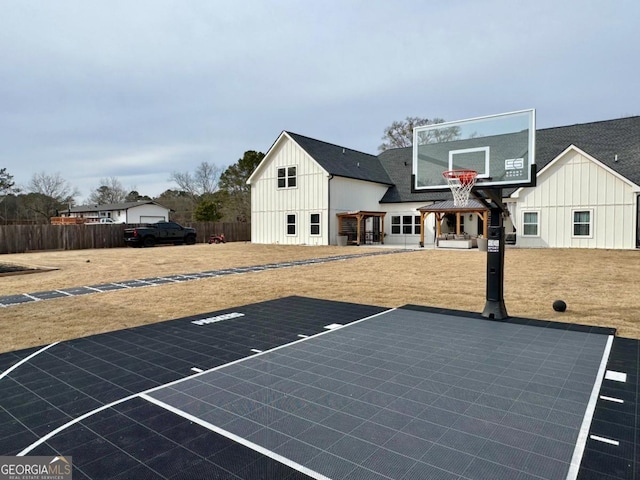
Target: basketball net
{"type": "Point", "coordinates": [460, 182]}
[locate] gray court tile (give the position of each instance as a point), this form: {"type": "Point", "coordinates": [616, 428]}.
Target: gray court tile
{"type": "Point", "coordinates": [389, 463]}
{"type": "Point", "coordinates": [332, 466]}
{"type": "Point", "coordinates": [353, 449]}
{"type": "Point", "coordinates": [447, 459]}
{"type": "Point", "coordinates": [407, 393]}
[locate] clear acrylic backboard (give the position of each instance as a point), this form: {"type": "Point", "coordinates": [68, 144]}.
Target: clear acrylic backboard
{"type": "Point", "coordinates": [501, 148]}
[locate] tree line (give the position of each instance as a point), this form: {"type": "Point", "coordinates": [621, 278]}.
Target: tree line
{"type": "Point", "coordinates": [208, 194]}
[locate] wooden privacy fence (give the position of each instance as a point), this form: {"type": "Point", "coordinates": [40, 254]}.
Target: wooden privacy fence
{"type": "Point", "coordinates": [27, 238]}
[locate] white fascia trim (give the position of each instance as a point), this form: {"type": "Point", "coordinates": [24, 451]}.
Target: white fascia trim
{"type": "Point", "coordinates": [266, 158]}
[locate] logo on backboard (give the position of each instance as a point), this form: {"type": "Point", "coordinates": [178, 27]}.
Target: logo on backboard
{"type": "Point", "coordinates": [35, 468]}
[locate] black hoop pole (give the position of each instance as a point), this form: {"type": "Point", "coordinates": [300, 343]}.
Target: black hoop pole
{"type": "Point", "coordinates": [494, 307]}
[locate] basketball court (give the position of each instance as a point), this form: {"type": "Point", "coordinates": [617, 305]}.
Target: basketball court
{"type": "Point", "coordinates": [301, 388]}
{"type": "Point", "coordinates": [305, 388]}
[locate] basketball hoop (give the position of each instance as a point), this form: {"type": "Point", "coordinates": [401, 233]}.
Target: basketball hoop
{"type": "Point", "coordinates": [460, 182]}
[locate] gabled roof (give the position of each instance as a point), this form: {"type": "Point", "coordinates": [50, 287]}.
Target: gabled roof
{"type": "Point", "coordinates": [112, 206]}
{"type": "Point", "coordinates": [602, 140]}
{"type": "Point", "coordinates": [342, 161]}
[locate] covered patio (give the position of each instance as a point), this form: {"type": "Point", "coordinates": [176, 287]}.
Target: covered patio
{"type": "Point", "coordinates": [354, 226]}
{"type": "Point", "coordinates": [441, 209]}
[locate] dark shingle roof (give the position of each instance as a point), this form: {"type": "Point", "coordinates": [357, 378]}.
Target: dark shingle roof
{"type": "Point", "coordinates": [398, 162]}
{"type": "Point", "coordinates": [111, 206]}
{"type": "Point", "coordinates": [342, 161]}
{"type": "Point", "coordinates": [602, 140]}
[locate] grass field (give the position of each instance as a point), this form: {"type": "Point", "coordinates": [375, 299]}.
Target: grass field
{"type": "Point", "coordinates": [596, 284]}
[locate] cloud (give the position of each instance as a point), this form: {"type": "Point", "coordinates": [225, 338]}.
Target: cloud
{"type": "Point", "coordinates": [139, 89]}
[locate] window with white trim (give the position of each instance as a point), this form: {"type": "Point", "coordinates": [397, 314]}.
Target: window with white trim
{"type": "Point", "coordinates": [292, 224]}
{"type": "Point", "coordinates": [314, 224]}
{"type": "Point", "coordinates": [405, 224]}
{"type": "Point", "coordinates": [287, 177]}
{"type": "Point", "coordinates": [582, 223]}
{"type": "Point", "coordinates": [395, 224]}
{"type": "Point", "coordinates": [530, 224]}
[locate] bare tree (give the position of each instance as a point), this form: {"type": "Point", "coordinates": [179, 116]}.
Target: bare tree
{"type": "Point", "coordinates": [48, 193]}
{"type": "Point", "coordinates": [400, 134]}
{"type": "Point", "coordinates": [52, 185]}
{"type": "Point", "coordinates": [110, 191]}
{"type": "Point", "coordinates": [204, 181]}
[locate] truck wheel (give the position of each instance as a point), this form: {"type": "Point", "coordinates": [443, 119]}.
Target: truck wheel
{"type": "Point", "coordinates": [190, 240]}
{"type": "Point", "coordinates": [149, 241]}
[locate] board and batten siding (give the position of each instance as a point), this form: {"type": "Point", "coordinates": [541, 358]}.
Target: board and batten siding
{"type": "Point", "coordinates": [350, 195]}
{"type": "Point", "coordinates": [270, 205]}
{"type": "Point", "coordinates": [574, 182]}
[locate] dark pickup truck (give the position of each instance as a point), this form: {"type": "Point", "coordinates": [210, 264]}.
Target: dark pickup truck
{"type": "Point", "coordinates": [161, 232]}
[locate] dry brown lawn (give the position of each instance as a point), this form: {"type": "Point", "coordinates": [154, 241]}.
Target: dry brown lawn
{"type": "Point", "coordinates": [596, 284]}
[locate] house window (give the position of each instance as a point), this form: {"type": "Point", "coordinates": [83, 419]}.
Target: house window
{"type": "Point", "coordinates": [291, 223]}
{"type": "Point", "coordinates": [405, 224]}
{"type": "Point", "coordinates": [314, 223]}
{"type": "Point", "coordinates": [287, 177]}
{"type": "Point", "coordinates": [395, 225]}
{"type": "Point", "coordinates": [582, 220]}
{"type": "Point", "coordinates": [530, 224]}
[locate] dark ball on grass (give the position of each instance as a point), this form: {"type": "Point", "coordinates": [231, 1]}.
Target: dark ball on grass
{"type": "Point", "coordinates": [559, 306]}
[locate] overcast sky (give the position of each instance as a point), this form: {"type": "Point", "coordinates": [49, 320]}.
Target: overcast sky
{"type": "Point", "coordinates": [137, 89]}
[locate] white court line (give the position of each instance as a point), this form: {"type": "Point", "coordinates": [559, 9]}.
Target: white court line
{"type": "Point", "coordinates": [41, 440]}
{"type": "Point", "coordinates": [578, 452]}
{"type": "Point", "coordinates": [333, 326]}
{"type": "Point", "coordinates": [93, 288]}
{"type": "Point", "coordinates": [303, 336]}
{"type": "Point", "coordinates": [604, 440]}
{"type": "Point", "coordinates": [36, 299]}
{"type": "Point", "coordinates": [616, 376]}
{"type": "Point", "coordinates": [61, 428]}
{"type": "Point", "coordinates": [197, 370]}
{"type": "Point", "coordinates": [611, 399]}
{"type": "Point", "coordinates": [24, 360]}
{"type": "Point", "coordinates": [64, 293]}
{"type": "Point", "coordinates": [255, 350]}
{"type": "Point", "coordinates": [242, 441]}
{"type": "Point", "coordinates": [180, 380]}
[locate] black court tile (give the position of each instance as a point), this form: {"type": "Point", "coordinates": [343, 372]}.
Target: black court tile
{"type": "Point", "coordinates": [16, 299]}
{"type": "Point", "coordinates": [78, 291]}
{"type": "Point", "coordinates": [48, 295]}
{"type": "Point", "coordinates": [373, 404]}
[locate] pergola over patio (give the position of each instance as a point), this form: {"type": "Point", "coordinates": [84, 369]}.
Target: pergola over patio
{"type": "Point", "coordinates": [440, 209]}
{"type": "Point", "coordinates": [358, 235]}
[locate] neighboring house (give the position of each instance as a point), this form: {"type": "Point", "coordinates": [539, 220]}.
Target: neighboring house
{"type": "Point", "coordinates": [145, 211]}
{"type": "Point", "coordinates": [306, 191]}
